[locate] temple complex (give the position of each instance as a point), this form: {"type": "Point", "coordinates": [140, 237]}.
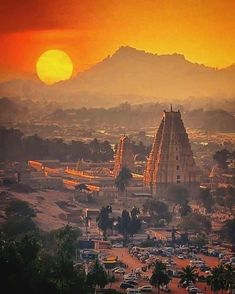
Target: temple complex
{"type": "Point", "coordinates": [124, 155]}
{"type": "Point", "coordinates": [171, 159]}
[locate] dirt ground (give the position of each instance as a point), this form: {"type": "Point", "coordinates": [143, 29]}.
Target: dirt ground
{"type": "Point", "coordinates": [53, 208]}
{"type": "Point", "coordinates": [134, 263]}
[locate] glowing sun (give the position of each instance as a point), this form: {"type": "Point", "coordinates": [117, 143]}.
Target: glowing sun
{"type": "Point", "coordinates": [54, 66]}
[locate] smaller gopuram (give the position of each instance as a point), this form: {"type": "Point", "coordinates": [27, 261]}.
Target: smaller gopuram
{"type": "Point", "coordinates": [123, 156]}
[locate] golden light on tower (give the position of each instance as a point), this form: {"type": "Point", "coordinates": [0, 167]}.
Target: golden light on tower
{"type": "Point", "coordinates": [54, 66]}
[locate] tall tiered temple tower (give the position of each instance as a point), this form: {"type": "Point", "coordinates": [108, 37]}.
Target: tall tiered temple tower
{"type": "Point", "coordinates": [124, 155]}
{"type": "Point", "coordinates": [171, 159]}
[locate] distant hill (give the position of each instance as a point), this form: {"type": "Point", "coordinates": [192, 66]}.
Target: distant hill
{"type": "Point", "coordinates": [134, 76]}
{"type": "Point", "coordinates": [143, 115]}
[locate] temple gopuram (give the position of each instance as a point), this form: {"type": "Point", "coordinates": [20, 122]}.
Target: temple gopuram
{"type": "Point", "coordinates": [171, 159]}
{"type": "Point", "coordinates": [124, 155]}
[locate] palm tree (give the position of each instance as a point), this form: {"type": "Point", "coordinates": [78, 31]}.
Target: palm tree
{"type": "Point", "coordinates": [188, 275]}
{"type": "Point", "coordinates": [229, 277]}
{"type": "Point", "coordinates": [123, 179]}
{"type": "Point", "coordinates": [217, 279]}
{"type": "Point", "coordinates": [159, 277]}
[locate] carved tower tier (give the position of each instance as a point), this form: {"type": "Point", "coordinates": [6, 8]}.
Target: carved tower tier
{"type": "Point", "coordinates": [171, 159]}
{"type": "Point", "coordinates": [124, 155]}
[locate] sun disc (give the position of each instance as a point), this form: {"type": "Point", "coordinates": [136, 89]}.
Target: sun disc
{"type": "Point", "coordinates": [54, 66]}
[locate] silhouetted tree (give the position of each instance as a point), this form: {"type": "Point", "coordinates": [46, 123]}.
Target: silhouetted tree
{"type": "Point", "coordinates": [221, 157]}
{"type": "Point", "coordinates": [104, 221]}
{"type": "Point", "coordinates": [159, 276]}
{"type": "Point", "coordinates": [188, 274]}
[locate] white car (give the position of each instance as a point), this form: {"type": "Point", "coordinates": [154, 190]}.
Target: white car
{"type": "Point", "coordinates": [133, 291]}
{"type": "Point", "coordinates": [117, 245]}
{"type": "Point", "coordinates": [146, 288]}
{"type": "Point", "coordinates": [130, 277]}
{"type": "Point", "coordinates": [119, 271]}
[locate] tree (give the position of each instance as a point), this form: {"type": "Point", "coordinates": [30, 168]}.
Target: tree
{"type": "Point", "coordinates": [196, 223]}
{"type": "Point", "coordinates": [200, 240]}
{"type": "Point", "coordinates": [221, 157]}
{"type": "Point", "coordinates": [66, 239]}
{"type": "Point", "coordinates": [129, 223]}
{"type": "Point", "coordinates": [97, 276]}
{"type": "Point", "coordinates": [177, 195]}
{"type": "Point", "coordinates": [123, 179]}
{"type": "Point", "coordinates": [185, 209]}
{"type": "Point", "coordinates": [135, 223]}
{"type": "Point", "coordinates": [206, 199]}
{"type": "Point", "coordinates": [159, 276]}
{"type": "Point", "coordinates": [188, 274]}
{"type": "Point", "coordinates": [19, 208]}
{"type": "Point", "coordinates": [158, 211]}
{"type": "Point", "coordinates": [229, 277]}
{"type": "Point", "coordinates": [228, 230]}
{"type": "Point", "coordinates": [103, 220]}
{"type": "Point", "coordinates": [123, 224]}
{"type": "Point", "coordinates": [217, 279]}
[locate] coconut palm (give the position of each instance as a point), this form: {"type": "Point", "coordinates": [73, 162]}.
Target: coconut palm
{"type": "Point", "coordinates": [229, 276]}
{"type": "Point", "coordinates": [123, 179]}
{"type": "Point", "coordinates": [188, 274]}
{"type": "Point", "coordinates": [159, 277]}
{"type": "Point", "coordinates": [217, 279]}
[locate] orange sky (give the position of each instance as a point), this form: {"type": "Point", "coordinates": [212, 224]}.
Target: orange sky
{"type": "Point", "coordinates": [89, 30]}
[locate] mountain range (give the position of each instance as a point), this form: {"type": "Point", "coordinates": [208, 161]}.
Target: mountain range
{"type": "Point", "coordinates": [131, 75]}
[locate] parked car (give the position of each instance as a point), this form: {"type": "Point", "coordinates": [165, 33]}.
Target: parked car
{"type": "Point", "coordinates": [130, 282]}
{"type": "Point", "coordinates": [116, 268]}
{"type": "Point", "coordinates": [126, 285]}
{"type": "Point", "coordinates": [117, 245]}
{"type": "Point", "coordinates": [119, 271]}
{"type": "Point", "coordinates": [146, 288]}
{"type": "Point", "coordinates": [133, 291]}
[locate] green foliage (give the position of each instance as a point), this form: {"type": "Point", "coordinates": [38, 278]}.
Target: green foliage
{"type": "Point", "coordinates": [27, 267]}
{"type": "Point", "coordinates": [103, 220]}
{"type": "Point", "coordinates": [66, 239]}
{"type": "Point", "coordinates": [129, 223]}
{"type": "Point", "coordinates": [15, 146]}
{"type": "Point", "coordinates": [19, 220]}
{"type": "Point", "coordinates": [159, 276]}
{"type": "Point", "coordinates": [177, 195]}
{"type": "Point", "coordinates": [221, 157]}
{"type": "Point", "coordinates": [228, 230]}
{"type": "Point", "coordinates": [225, 197]}
{"type": "Point", "coordinates": [19, 208]}
{"type": "Point", "coordinates": [15, 227]}
{"type": "Point", "coordinates": [188, 274]}
{"type": "Point", "coordinates": [185, 209]}
{"type": "Point", "coordinates": [97, 276]}
{"type": "Point", "coordinates": [200, 240]}
{"type": "Point", "coordinates": [123, 179]}
{"type": "Point", "coordinates": [158, 210]}
{"type": "Point", "coordinates": [221, 278]}
{"type": "Point", "coordinates": [206, 199]}
{"type": "Point", "coordinates": [196, 223]}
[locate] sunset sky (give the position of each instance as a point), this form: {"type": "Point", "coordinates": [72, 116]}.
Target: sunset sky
{"type": "Point", "coordinates": [89, 30]}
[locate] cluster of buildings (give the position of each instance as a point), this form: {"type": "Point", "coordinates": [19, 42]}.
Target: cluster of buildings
{"type": "Point", "coordinates": [169, 163]}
